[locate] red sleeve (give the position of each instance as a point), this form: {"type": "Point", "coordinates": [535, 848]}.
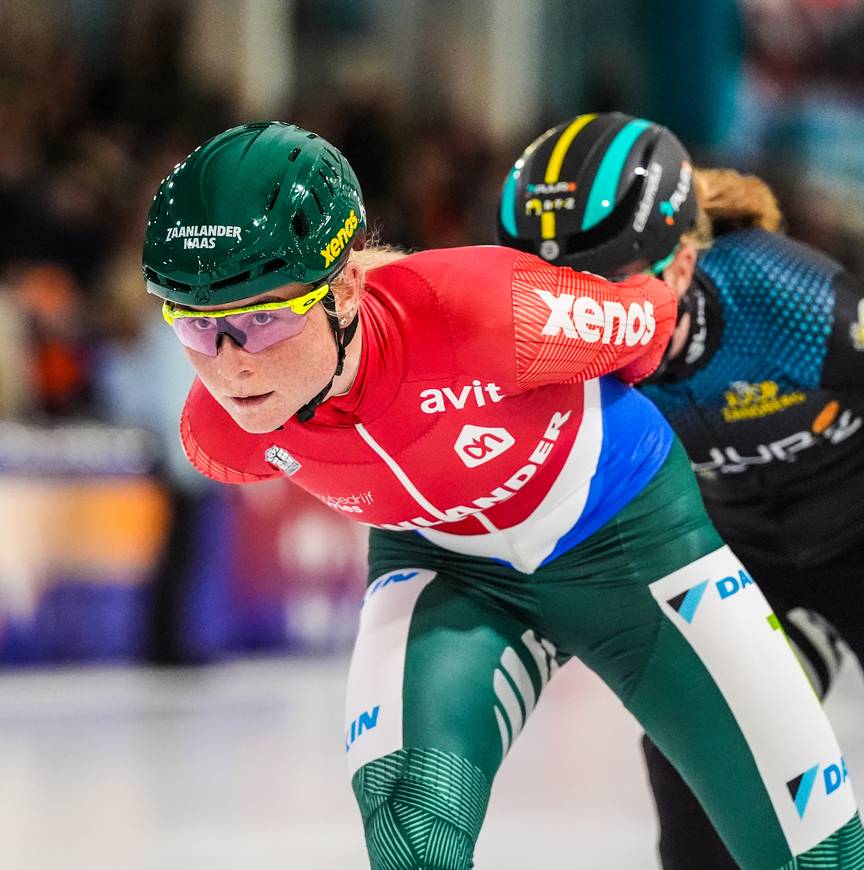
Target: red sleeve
{"type": "Point", "coordinates": [573, 326]}
{"type": "Point", "coordinates": [216, 445]}
{"type": "Point", "coordinates": [564, 325]}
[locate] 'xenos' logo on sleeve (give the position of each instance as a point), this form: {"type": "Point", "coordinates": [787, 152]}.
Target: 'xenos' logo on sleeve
{"type": "Point", "coordinates": [337, 244]}
{"type": "Point", "coordinates": [608, 322]}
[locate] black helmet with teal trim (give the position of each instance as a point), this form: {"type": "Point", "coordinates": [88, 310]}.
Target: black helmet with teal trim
{"type": "Point", "coordinates": [258, 206]}
{"type": "Point", "coordinates": [600, 192]}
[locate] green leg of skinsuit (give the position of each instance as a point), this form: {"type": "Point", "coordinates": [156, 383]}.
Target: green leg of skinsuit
{"type": "Point", "coordinates": [423, 805]}
{"type": "Point", "coordinates": [421, 808]}
{"type": "Point", "coordinates": [482, 641]}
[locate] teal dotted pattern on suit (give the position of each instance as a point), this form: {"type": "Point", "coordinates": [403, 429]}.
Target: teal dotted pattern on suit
{"type": "Point", "coordinates": [777, 301]}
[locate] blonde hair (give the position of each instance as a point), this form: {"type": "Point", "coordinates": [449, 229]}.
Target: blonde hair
{"type": "Point", "coordinates": [728, 200]}
{"type": "Point", "coordinates": [373, 255]}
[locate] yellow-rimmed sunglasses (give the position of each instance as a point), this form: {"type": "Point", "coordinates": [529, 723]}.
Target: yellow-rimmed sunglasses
{"type": "Point", "coordinates": [252, 327]}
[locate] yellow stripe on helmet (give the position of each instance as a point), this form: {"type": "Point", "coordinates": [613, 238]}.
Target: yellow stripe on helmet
{"type": "Point", "coordinates": [553, 167]}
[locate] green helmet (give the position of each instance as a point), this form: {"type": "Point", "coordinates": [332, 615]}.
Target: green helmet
{"type": "Point", "coordinates": [256, 207]}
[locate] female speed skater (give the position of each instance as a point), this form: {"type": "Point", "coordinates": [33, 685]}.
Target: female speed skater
{"type": "Point", "coordinates": [526, 504]}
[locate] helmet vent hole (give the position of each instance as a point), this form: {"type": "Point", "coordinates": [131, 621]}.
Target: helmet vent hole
{"type": "Point", "coordinates": [272, 201]}
{"type": "Point", "coordinates": [234, 279]}
{"type": "Point", "coordinates": [295, 153]}
{"type": "Point", "coordinates": [273, 266]}
{"type": "Point", "coordinates": [311, 135]}
{"type": "Point", "coordinates": [317, 200]}
{"type": "Point", "coordinates": [326, 180]}
{"type": "Point", "coordinates": [300, 224]}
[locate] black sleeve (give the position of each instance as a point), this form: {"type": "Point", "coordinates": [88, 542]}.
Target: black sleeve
{"type": "Point", "coordinates": [843, 367]}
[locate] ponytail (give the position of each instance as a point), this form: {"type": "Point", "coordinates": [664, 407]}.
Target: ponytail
{"type": "Point", "coordinates": [730, 201]}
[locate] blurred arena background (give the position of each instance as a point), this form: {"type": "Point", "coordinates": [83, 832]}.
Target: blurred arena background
{"type": "Point", "coordinates": [174, 652]}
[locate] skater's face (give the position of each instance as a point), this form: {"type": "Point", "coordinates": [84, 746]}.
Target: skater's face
{"type": "Point", "coordinates": [259, 382]}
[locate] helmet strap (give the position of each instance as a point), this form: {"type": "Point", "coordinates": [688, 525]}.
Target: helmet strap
{"type": "Point", "coordinates": [342, 336]}
{"type": "Point", "coordinates": [670, 369]}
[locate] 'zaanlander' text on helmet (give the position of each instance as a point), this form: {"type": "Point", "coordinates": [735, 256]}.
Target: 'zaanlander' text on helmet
{"type": "Point", "coordinates": [599, 192]}
{"type": "Point", "coordinates": [256, 207]}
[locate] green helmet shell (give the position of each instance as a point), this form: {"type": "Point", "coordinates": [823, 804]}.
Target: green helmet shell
{"type": "Point", "coordinates": [256, 207]}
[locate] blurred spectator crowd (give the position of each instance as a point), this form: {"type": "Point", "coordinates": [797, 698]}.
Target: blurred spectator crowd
{"type": "Point", "coordinates": [93, 114]}
{"type": "Point", "coordinates": [87, 133]}
{"type": "Point", "coordinates": [83, 146]}
{"type": "Point", "coordinates": [155, 563]}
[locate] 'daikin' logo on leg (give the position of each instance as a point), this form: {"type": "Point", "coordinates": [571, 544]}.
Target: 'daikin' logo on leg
{"type": "Point", "coordinates": [686, 603]}
{"type": "Point", "coordinates": [801, 787]}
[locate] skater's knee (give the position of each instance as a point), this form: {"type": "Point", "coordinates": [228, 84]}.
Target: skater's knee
{"type": "Point", "coordinates": [421, 808]}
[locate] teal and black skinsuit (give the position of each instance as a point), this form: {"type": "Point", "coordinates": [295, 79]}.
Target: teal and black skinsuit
{"type": "Point", "coordinates": [768, 400]}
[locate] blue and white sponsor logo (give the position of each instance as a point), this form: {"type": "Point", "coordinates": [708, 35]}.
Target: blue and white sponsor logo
{"type": "Point", "coordinates": [389, 580]}
{"type": "Point", "coordinates": [802, 787]}
{"type": "Point", "coordinates": [729, 586]}
{"type": "Point", "coordinates": [366, 721]}
{"type": "Point", "coordinates": [686, 603]}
